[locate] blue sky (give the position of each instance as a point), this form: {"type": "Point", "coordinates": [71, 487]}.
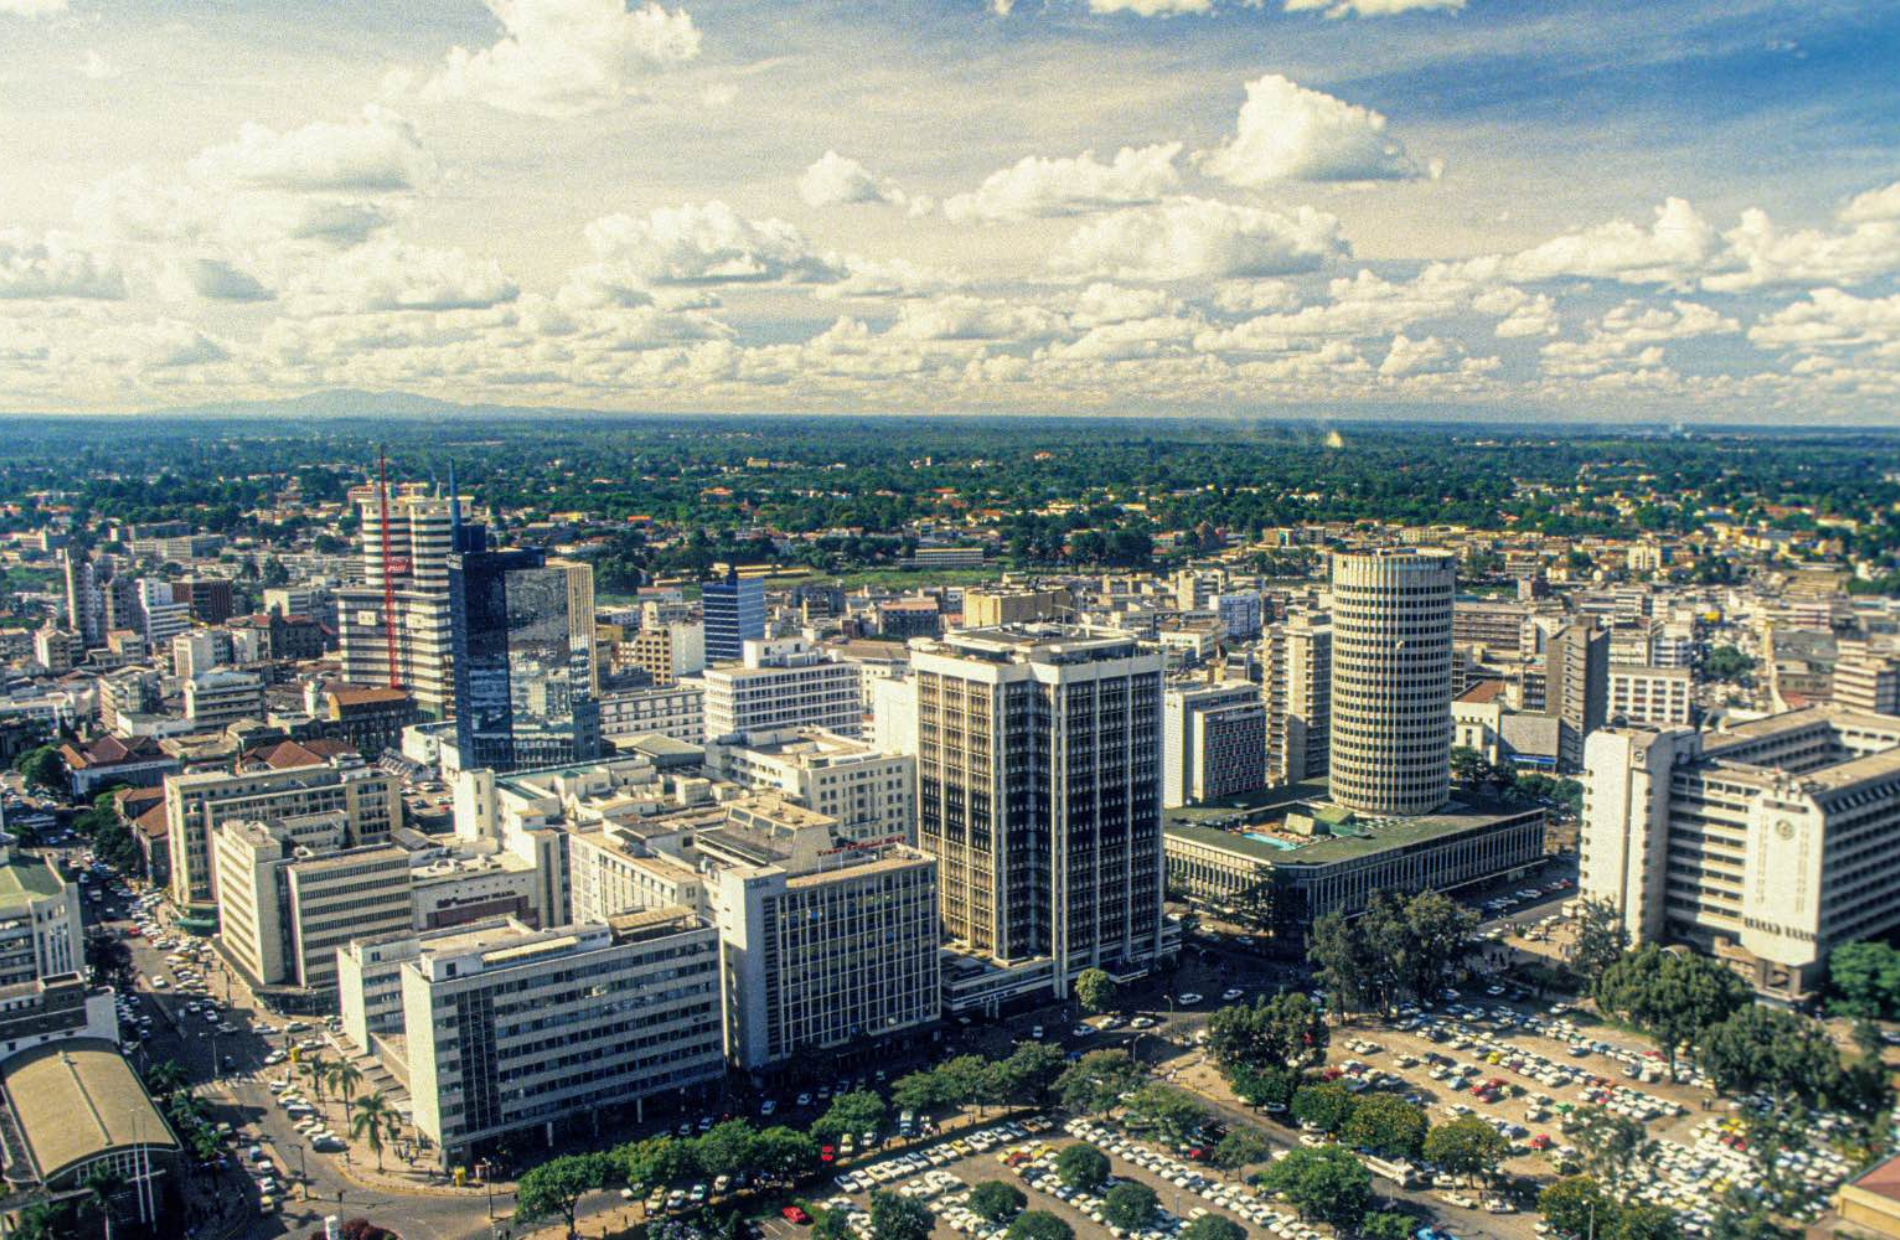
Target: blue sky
{"type": "Point", "coordinates": [1557, 210]}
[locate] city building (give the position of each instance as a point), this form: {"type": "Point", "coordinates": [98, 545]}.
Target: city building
{"type": "Point", "coordinates": [989, 609]}
{"type": "Point", "coordinates": [781, 684]}
{"type": "Point", "coordinates": [1039, 794]}
{"type": "Point", "coordinates": [53, 1009]}
{"type": "Point", "coordinates": [1502, 629]}
{"type": "Point", "coordinates": [96, 765]}
{"type": "Point", "coordinates": [208, 599]}
{"type": "Point", "coordinates": [1214, 741]}
{"type": "Point", "coordinates": [369, 718]}
{"type": "Point", "coordinates": [1868, 683]}
{"type": "Point", "coordinates": [523, 663]}
{"type": "Point", "coordinates": [1240, 614]}
{"type": "Point", "coordinates": [1651, 697]}
{"type": "Point", "coordinates": [665, 651]}
{"type": "Point", "coordinates": [394, 629]}
{"type": "Point", "coordinates": [165, 615]}
{"type": "Point", "coordinates": [85, 598]}
{"type": "Point", "coordinates": [508, 1031]}
{"type": "Point", "coordinates": [871, 794]}
{"type": "Point", "coordinates": [216, 699]}
{"type": "Point", "coordinates": [54, 649]}
{"type": "Point", "coordinates": [41, 935]}
{"type": "Point", "coordinates": [678, 711]}
{"type": "Point", "coordinates": [733, 608]}
{"type": "Point", "coordinates": [196, 803]}
{"type": "Point", "coordinates": [1391, 679]}
{"type": "Point", "coordinates": [1577, 686]}
{"type": "Point", "coordinates": [1766, 845]}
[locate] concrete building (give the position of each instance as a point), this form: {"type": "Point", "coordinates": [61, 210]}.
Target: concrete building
{"type": "Point", "coordinates": [678, 711]}
{"type": "Point", "coordinates": [1213, 741]}
{"type": "Point", "coordinates": [1240, 614]}
{"type": "Point", "coordinates": [1766, 845]}
{"type": "Point", "coordinates": [290, 894]}
{"type": "Point", "coordinates": [164, 614]}
{"type": "Point", "coordinates": [734, 612]}
{"type": "Point", "coordinates": [1039, 794]}
{"type": "Point", "coordinates": [665, 651]}
{"type": "Point", "coordinates": [514, 1032]}
{"type": "Point", "coordinates": [1391, 701]}
{"type": "Point", "coordinates": [1651, 697]}
{"type": "Point", "coordinates": [872, 795]}
{"type": "Point", "coordinates": [988, 609]}
{"type": "Point", "coordinates": [421, 532]}
{"type": "Point", "coordinates": [41, 935]}
{"type": "Point", "coordinates": [54, 649]}
{"type": "Point", "coordinates": [217, 699]}
{"type": "Point", "coordinates": [1868, 683]}
{"type": "Point", "coordinates": [1577, 687]}
{"type": "Point", "coordinates": [781, 684]}
{"type": "Point", "coordinates": [195, 804]}
{"type": "Point", "coordinates": [1296, 684]}
{"type": "Point", "coordinates": [1503, 629]}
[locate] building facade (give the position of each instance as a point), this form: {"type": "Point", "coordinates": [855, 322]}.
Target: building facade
{"type": "Point", "coordinates": [778, 685]}
{"type": "Point", "coordinates": [734, 611]}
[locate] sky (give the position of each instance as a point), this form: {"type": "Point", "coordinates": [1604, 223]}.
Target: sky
{"type": "Point", "coordinates": [1530, 209]}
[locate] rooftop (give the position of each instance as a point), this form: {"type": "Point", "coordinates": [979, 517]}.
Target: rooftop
{"type": "Point", "coordinates": [1373, 835]}
{"type": "Point", "coordinates": [76, 1100]}
{"type": "Point", "coordinates": [24, 878]}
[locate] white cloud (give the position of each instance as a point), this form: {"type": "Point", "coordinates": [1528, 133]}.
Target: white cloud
{"type": "Point", "coordinates": [1674, 251]}
{"type": "Point", "coordinates": [215, 280]}
{"type": "Point", "coordinates": [1628, 340]}
{"type": "Point", "coordinates": [1131, 340]}
{"type": "Point", "coordinates": [1286, 132]}
{"type": "Point", "coordinates": [887, 278]}
{"type": "Point", "coordinates": [974, 318]}
{"type": "Point", "coordinates": [1193, 238]}
{"type": "Point", "coordinates": [31, 8]}
{"type": "Point", "coordinates": [1520, 314]}
{"type": "Point", "coordinates": [565, 58]}
{"type": "Point", "coordinates": [97, 68]}
{"type": "Point", "coordinates": [388, 275]}
{"type": "Point", "coordinates": [1760, 254]}
{"type": "Point", "coordinates": [1103, 303]}
{"type": "Point", "coordinates": [378, 153]}
{"type": "Point", "coordinates": [1413, 357]}
{"type": "Point", "coordinates": [1831, 319]}
{"type": "Point", "coordinates": [1373, 8]}
{"type": "Point", "coordinates": [38, 268]}
{"type": "Point", "coordinates": [1255, 296]}
{"type": "Point", "coordinates": [1635, 322]}
{"type": "Point", "coordinates": [1874, 206]}
{"type": "Point", "coordinates": [1151, 8]}
{"type": "Point", "coordinates": [833, 181]}
{"type": "Point", "coordinates": [709, 243]}
{"type": "Point", "coordinates": [1037, 187]}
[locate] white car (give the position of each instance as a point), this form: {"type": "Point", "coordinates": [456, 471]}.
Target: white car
{"type": "Point", "coordinates": [1189, 999]}
{"type": "Point", "coordinates": [1231, 994]}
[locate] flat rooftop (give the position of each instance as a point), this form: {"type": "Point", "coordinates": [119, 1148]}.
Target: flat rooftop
{"type": "Point", "coordinates": [1374, 835]}
{"type": "Point", "coordinates": [26, 877]}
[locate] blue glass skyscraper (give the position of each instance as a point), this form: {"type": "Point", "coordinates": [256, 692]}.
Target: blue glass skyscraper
{"type": "Point", "coordinates": [523, 686]}
{"type": "Point", "coordinates": [734, 609]}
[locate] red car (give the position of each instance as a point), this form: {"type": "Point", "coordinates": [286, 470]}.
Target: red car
{"type": "Point", "coordinates": [827, 1154]}
{"type": "Point", "coordinates": [792, 1214]}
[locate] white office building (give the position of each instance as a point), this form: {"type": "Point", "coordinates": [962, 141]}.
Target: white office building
{"type": "Point", "coordinates": [1214, 741]}
{"type": "Point", "coordinates": [781, 684]}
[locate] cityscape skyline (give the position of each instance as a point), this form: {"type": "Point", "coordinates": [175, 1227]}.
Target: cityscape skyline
{"type": "Point", "coordinates": [1120, 206]}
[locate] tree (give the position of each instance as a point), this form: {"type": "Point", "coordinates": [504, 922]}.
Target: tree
{"type": "Point", "coordinates": [1242, 1147]}
{"type": "Point", "coordinates": [726, 1149]}
{"type": "Point", "coordinates": [655, 1160]}
{"type": "Point", "coordinates": [315, 1069]}
{"type": "Point", "coordinates": [43, 1220]}
{"type": "Point", "coordinates": [1326, 1108]}
{"type": "Point", "coordinates": [1025, 1078]}
{"type": "Point", "coordinates": [43, 767]}
{"type": "Point", "coordinates": [1357, 978]}
{"type": "Point", "coordinates": [894, 1217]}
{"type": "Point", "coordinates": [1264, 1087]}
{"type": "Point", "coordinates": [1600, 942]}
{"type": "Point", "coordinates": [1387, 1126]}
{"type": "Point", "coordinates": [1730, 664]}
{"type": "Point", "coordinates": [1437, 934]}
{"type": "Point", "coordinates": [918, 1091]}
{"type": "Point", "coordinates": [1576, 1206]}
{"type": "Point", "coordinates": [1386, 1225]}
{"type": "Point", "coordinates": [372, 1121]}
{"type": "Point", "coordinates": [1739, 1218]}
{"type": "Point", "coordinates": [344, 1077]}
{"type": "Point", "coordinates": [831, 1225]}
{"type": "Point", "coordinates": [1173, 1111]}
{"type": "Point", "coordinates": [1674, 996]}
{"type": "Point", "coordinates": [997, 1202]}
{"type": "Point", "coordinates": [1327, 1183]}
{"type": "Point", "coordinates": [1643, 1222]}
{"type": "Point", "coordinates": [1095, 990]}
{"type": "Point", "coordinates": [1610, 1147]}
{"type": "Point", "coordinates": [1864, 980]}
{"type": "Point", "coordinates": [784, 1154]}
{"type": "Point", "coordinates": [1468, 767]}
{"type": "Point", "coordinates": [856, 1112]}
{"type": "Point", "coordinates": [1096, 1082]}
{"type": "Point", "coordinates": [555, 1188]}
{"type": "Point", "coordinates": [1773, 1051]}
{"type": "Point", "coordinates": [1129, 1206]}
{"type": "Point", "coordinates": [1082, 1167]}
{"type": "Point", "coordinates": [1285, 1030]}
{"type": "Point", "coordinates": [964, 1080]}
{"type": "Point", "coordinates": [102, 1185]}
{"type": "Point", "coordinates": [1034, 1225]}
{"type": "Point", "coordinates": [1467, 1146]}
{"type": "Point", "coordinates": [1213, 1227]}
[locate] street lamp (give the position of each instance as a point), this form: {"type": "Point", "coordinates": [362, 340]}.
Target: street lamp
{"type": "Point", "coordinates": [303, 1175]}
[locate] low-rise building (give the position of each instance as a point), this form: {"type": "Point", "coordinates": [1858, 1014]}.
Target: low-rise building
{"type": "Point", "coordinates": [872, 795]}
{"type": "Point", "coordinates": [678, 711]}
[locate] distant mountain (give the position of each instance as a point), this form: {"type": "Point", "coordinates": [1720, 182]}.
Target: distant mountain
{"type": "Point", "coordinates": [336, 403]}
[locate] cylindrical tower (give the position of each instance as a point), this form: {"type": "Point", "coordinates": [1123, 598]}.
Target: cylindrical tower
{"type": "Point", "coordinates": [1391, 733]}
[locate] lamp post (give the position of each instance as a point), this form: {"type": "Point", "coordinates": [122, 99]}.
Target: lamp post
{"type": "Point", "coordinates": [303, 1175]}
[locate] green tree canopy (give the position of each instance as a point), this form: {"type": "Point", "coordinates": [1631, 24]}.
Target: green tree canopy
{"type": "Point", "coordinates": [1083, 1167]}
{"type": "Point", "coordinates": [1096, 1082]}
{"type": "Point", "coordinates": [1386, 1225]}
{"type": "Point", "coordinates": [1576, 1206]}
{"type": "Point", "coordinates": [1327, 1183]}
{"type": "Point", "coordinates": [1387, 1126]}
{"type": "Point", "coordinates": [1773, 1051]}
{"type": "Point", "coordinates": [1095, 990]}
{"type": "Point", "coordinates": [859, 1111]}
{"type": "Point", "coordinates": [1285, 1030]}
{"type": "Point", "coordinates": [1674, 996]}
{"type": "Point", "coordinates": [1213, 1227]}
{"type": "Point", "coordinates": [1130, 1206]}
{"type": "Point", "coordinates": [1327, 1108]}
{"type": "Point", "coordinates": [1034, 1225]}
{"type": "Point", "coordinates": [1864, 980]}
{"type": "Point", "coordinates": [1600, 942]}
{"type": "Point", "coordinates": [997, 1202]}
{"type": "Point", "coordinates": [895, 1217]}
{"type": "Point", "coordinates": [554, 1189]}
{"type": "Point", "coordinates": [1467, 1146]}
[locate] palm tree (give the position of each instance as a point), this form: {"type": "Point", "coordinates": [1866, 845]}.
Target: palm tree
{"type": "Point", "coordinates": [313, 1069]}
{"type": "Point", "coordinates": [164, 1078]}
{"type": "Point", "coordinates": [374, 1120]}
{"type": "Point", "coordinates": [344, 1077]}
{"type": "Point", "coordinates": [102, 1184]}
{"type": "Point", "coordinates": [43, 1220]}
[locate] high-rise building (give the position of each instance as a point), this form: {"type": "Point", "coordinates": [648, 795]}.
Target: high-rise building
{"type": "Point", "coordinates": [1868, 683]}
{"type": "Point", "coordinates": [85, 599]}
{"type": "Point", "coordinates": [165, 615]}
{"type": "Point", "coordinates": [40, 931]}
{"type": "Point", "coordinates": [1391, 735]}
{"type": "Point", "coordinates": [1214, 741]}
{"type": "Point", "coordinates": [1577, 687]}
{"type": "Point", "coordinates": [1240, 614]}
{"type": "Point", "coordinates": [523, 662]}
{"type": "Point", "coordinates": [1039, 793]}
{"type": "Point", "coordinates": [223, 697]}
{"type": "Point", "coordinates": [734, 612]}
{"type": "Point", "coordinates": [1766, 845]}
{"type": "Point", "coordinates": [400, 637]}
{"type": "Point", "coordinates": [1297, 683]}
{"type": "Point", "coordinates": [665, 651]}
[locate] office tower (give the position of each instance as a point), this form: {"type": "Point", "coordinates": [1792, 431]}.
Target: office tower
{"type": "Point", "coordinates": [1577, 687]}
{"type": "Point", "coordinates": [208, 598]}
{"type": "Point", "coordinates": [508, 1029]}
{"type": "Point", "coordinates": [394, 629]}
{"type": "Point", "coordinates": [522, 664]}
{"type": "Point", "coordinates": [1297, 683]}
{"type": "Point", "coordinates": [163, 613]}
{"type": "Point", "coordinates": [1503, 629]}
{"type": "Point", "coordinates": [734, 612]}
{"type": "Point", "coordinates": [220, 698]}
{"type": "Point", "coordinates": [678, 712]}
{"type": "Point", "coordinates": [40, 931]}
{"type": "Point", "coordinates": [1766, 845]}
{"type": "Point", "coordinates": [1391, 736]}
{"type": "Point", "coordinates": [1652, 697]}
{"type": "Point", "coordinates": [85, 599]}
{"type": "Point", "coordinates": [1214, 741]}
{"type": "Point", "coordinates": [54, 649]}
{"type": "Point", "coordinates": [778, 685]}
{"type": "Point", "coordinates": [1240, 614]}
{"type": "Point", "coordinates": [124, 611]}
{"type": "Point", "coordinates": [1868, 683]}
{"type": "Point", "coordinates": [197, 803]}
{"type": "Point", "coordinates": [984, 609]}
{"type": "Point", "coordinates": [1039, 793]}
{"type": "Point", "coordinates": [665, 651]}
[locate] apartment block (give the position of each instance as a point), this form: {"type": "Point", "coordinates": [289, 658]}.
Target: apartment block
{"type": "Point", "coordinates": [41, 934]}
{"type": "Point", "coordinates": [1646, 697]}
